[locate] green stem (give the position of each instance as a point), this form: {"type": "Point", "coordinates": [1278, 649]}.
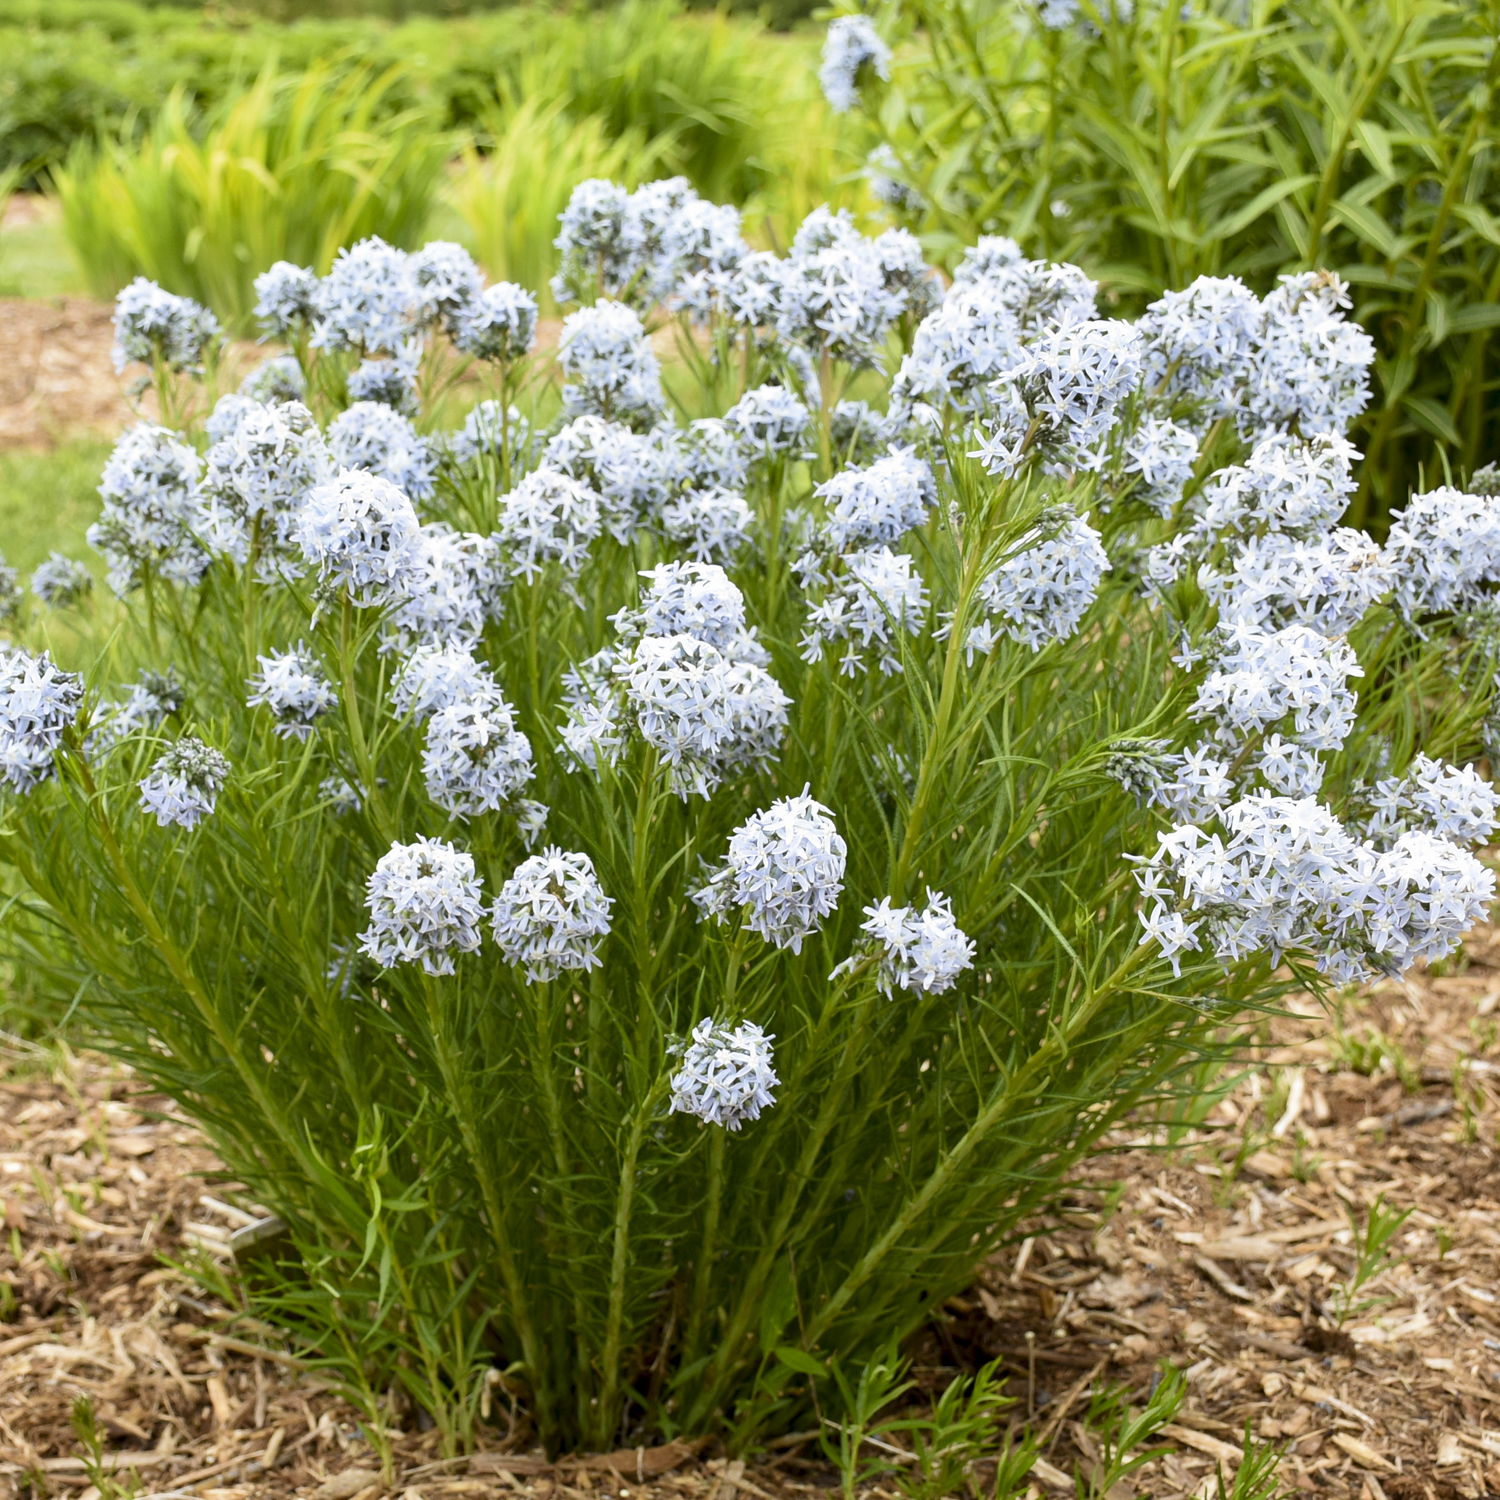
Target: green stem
{"type": "Point", "coordinates": [363, 759]}
{"type": "Point", "coordinates": [1334, 165]}
{"type": "Point", "coordinates": [1032, 1076]}
{"type": "Point", "coordinates": [932, 755]}
{"type": "Point", "coordinates": [703, 1271]}
{"type": "Point", "coordinates": [456, 1082]}
{"type": "Point", "coordinates": [562, 1164]}
{"type": "Point", "coordinates": [608, 1418]}
{"type": "Point", "coordinates": [770, 1250]}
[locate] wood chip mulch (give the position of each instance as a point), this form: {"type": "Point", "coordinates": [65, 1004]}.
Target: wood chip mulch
{"type": "Point", "coordinates": [1223, 1252]}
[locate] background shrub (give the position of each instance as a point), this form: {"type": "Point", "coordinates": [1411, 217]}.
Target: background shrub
{"type": "Point", "coordinates": [230, 173]}
{"type": "Point", "coordinates": [71, 70]}
{"type": "Point", "coordinates": [292, 169]}
{"type": "Point", "coordinates": [1155, 143]}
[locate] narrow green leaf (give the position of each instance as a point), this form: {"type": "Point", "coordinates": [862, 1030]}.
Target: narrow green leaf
{"type": "Point", "coordinates": [1433, 418]}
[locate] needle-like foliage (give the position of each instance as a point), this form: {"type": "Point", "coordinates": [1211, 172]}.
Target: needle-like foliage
{"type": "Point", "coordinates": [608, 976]}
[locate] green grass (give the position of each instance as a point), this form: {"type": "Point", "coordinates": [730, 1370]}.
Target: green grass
{"type": "Point", "coordinates": [37, 261]}
{"type": "Point", "coordinates": [47, 500]}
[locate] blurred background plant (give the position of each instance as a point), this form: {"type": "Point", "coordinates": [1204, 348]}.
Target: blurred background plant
{"type": "Point", "coordinates": [1157, 142]}
{"type": "Point", "coordinates": [293, 168]}
{"type": "Point", "coordinates": [197, 154]}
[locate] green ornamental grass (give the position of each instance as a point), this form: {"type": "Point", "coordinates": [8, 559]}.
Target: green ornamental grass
{"type": "Point", "coordinates": [293, 168]}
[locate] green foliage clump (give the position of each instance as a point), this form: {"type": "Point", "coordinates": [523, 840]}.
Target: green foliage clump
{"type": "Point", "coordinates": [485, 1163]}
{"type": "Point", "coordinates": [712, 86]}
{"type": "Point", "coordinates": [294, 168]}
{"type": "Point", "coordinates": [1155, 143]}
{"type": "Point", "coordinates": [198, 153]}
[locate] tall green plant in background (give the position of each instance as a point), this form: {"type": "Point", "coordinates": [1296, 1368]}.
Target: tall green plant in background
{"type": "Point", "coordinates": [1156, 143]}
{"type": "Point", "coordinates": [711, 95]}
{"type": "Point", "coordinates": [510, 193]}
{"type": "Point", "coordinates": [292, 169]}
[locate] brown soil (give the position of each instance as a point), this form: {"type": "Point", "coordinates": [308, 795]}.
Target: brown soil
{"type": "Point", "coordinates": [1225, 1255]}
{"type": "Point", "coordinates": [56, 381]}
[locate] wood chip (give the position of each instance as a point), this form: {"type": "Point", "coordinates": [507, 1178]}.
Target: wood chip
{"type": "Point", "coordinates": [1052, 1477]}
{"type": "Point", "coordinates": [1279, 1347]}
{"type": "Point", "coordinates": [1225, 1452]}
{"type": "Point", "coordinates": [1222, 1279]}
{"type": "Point", "coordinates": [508, 1463]}
{"type": "Point", "coordinates": [1362, 1453]}
{"type": "Point", "coordinates": [1242, 1248]}
{"type": "Point", "coordinates": [132, 1145]}
{"type": "Point", "coordinates": [346, 1485]}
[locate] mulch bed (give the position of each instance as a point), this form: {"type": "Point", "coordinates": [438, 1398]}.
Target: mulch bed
{"type": "Point", "coordinates": [1222, 1254]}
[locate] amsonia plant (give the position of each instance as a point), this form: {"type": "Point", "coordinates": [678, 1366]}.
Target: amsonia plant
{"type": "Point", "coordinates": [652, 897]}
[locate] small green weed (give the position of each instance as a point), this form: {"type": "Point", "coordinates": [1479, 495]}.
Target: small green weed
{"type": "Point", "coordinates": [102, 1476]}
{"type": "Point", "coordinates": [1372, 1255]}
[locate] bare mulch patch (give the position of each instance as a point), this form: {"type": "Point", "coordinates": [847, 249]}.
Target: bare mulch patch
{"type": "Point", "coordinates": [57, 381]}
{"type": "Point", "coordinates": [1227, 1256]}
{"type": "Point", "coordinates": [1223, 1254]}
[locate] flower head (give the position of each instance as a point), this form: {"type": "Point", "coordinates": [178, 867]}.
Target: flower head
{"type": "Point", "coordinates": [436, 675]}
{"type": "Point", "coordinates": [286, 299]}
{"type": "Point", "coordinates": [386, 382]}
{"type": "Point", "coordinates": [851, 45]}
{"type": "Point", "coordinates": [499, 325]}
{"type": "Point", "coordinates": [293, 685]}
{"type": "Point", "coordinates": [38, 704]}
{"type": "Point", "coordinates": [368, 300]}
{"type": "Point", "coordinates": [151, 701]}
{"type": "Point", "coordinates": [708, 713]}
{"type": "Point", "coordinates": [726, 1075]}
{"type": "Point", "coordinates": [362, 535]}
{"type": "Point", "coordinates": [61, 581]}
{"type": "Point", "coordinates": [873, 595]}
{"type": "Point", "coordinates": [784, 871]}
{"type": "Point", "coordinates": [609, 365]}
{"type": "Point", "coordinates": [150, 492]}
{"type": "Point", "coordinates": [711, 524]}
{"type": "Point", "coordinates": [877, 505]}
{"type": "Point", "coordinates": [923, 952]}
{"type": "Point", "coordinates": [184, 784]}
{"type": "Point", "coordinates": [448, 284]}
{"type": "Point", "coordinates": [475, 760]}
{"type": "Point", "coordinates": [424, 902]}
{"type": "Point", "coordinates": [279, 378]}
{"type": "Point", "coordinates": [1262, 678]}
{"type": "Point", "coordinates": [460, 585]}
{"type": "Point", "coordinates": [769, 419]}
{"type": "Point", "coordinates": [687, 598]}
{"type": "Point", "coordinates": [1311, 367]}
{"type": "Point", "coordinates": [378, 439]}
{"type": "Point", "coordinates": [1062, 399]}
{"type": "Point", "coordinates": [1444, 552]}
{"type": "Point", "coordinates": [628, 470]}
{"type": "Point", "coordinates": [1043, 590]}
{"type": "Point", "coordinates": [548, 517]}
{"type": "Point", "coordinates": [551, 915]}
{"type": "Point", "coordinates": [257, 476]}
{"type": "Point", "coordinates": [152, 324]}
